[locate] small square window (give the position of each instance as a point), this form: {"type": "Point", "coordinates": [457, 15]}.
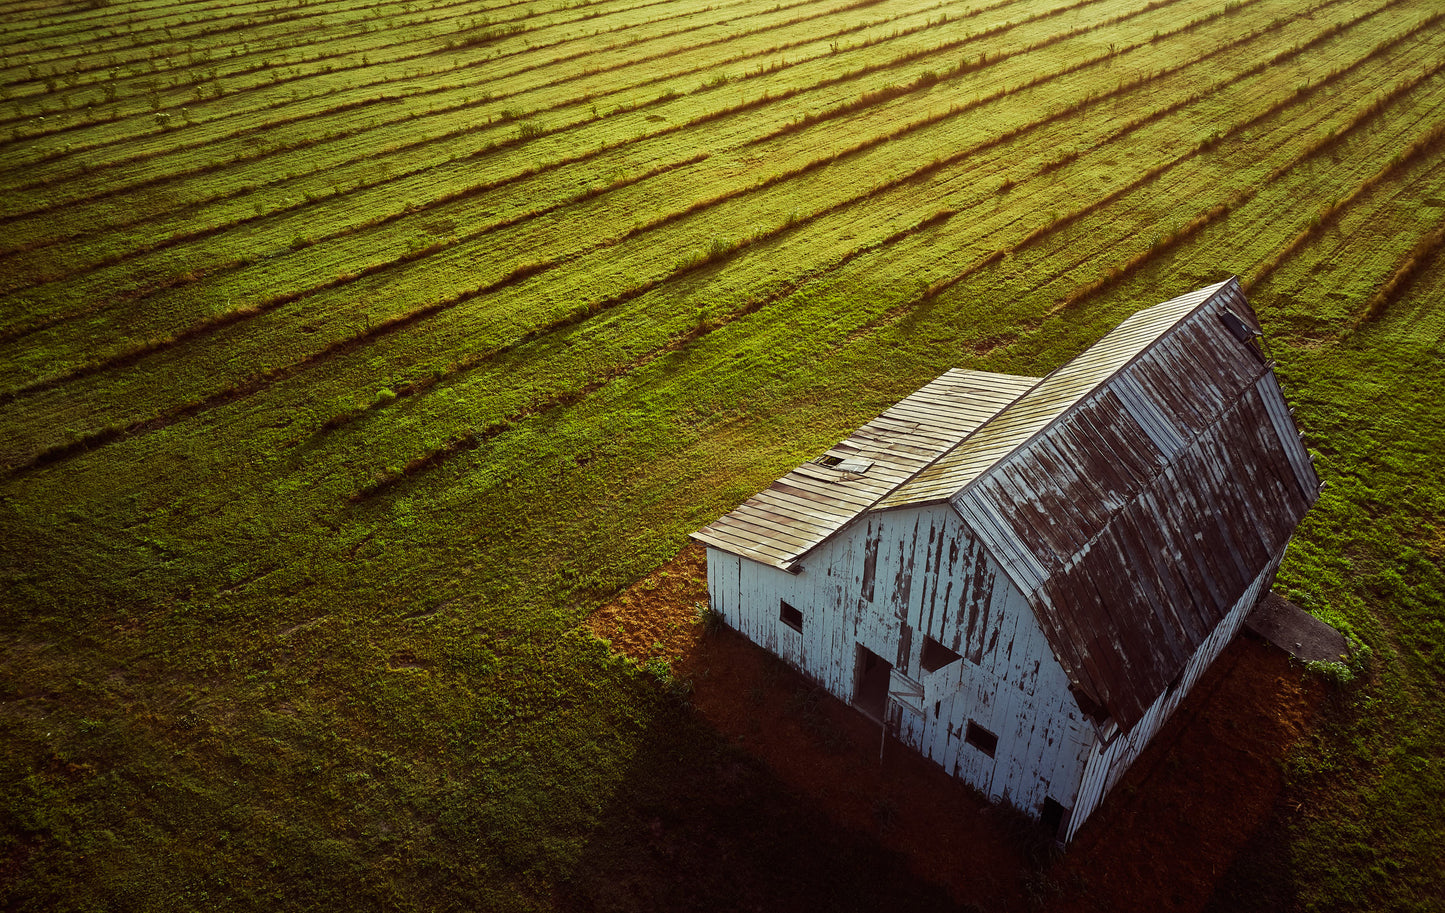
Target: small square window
{"type": "Point", "coordinates": [981, 738]}
{"type": "Point", "coordinates": [936, 655]}
{"type": "Point", "coordinates": [790, 616]}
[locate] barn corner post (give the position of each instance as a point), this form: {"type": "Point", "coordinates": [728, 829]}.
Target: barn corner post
{"type": "Point", "coordinates": [1021, 577]}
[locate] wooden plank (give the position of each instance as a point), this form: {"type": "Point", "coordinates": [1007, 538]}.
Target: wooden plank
{"type": "Point", "coordinates": [809, 509]}
{"type": "Point", "coordinates": [833, 497]}
{"type": "Point", "coordinates": [774, 534]}
{"type": "Point", "coordinates": [731, 543]}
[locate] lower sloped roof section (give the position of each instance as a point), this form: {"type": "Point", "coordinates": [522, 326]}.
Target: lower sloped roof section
{"type": "Point", "coordinates": [797, 512]}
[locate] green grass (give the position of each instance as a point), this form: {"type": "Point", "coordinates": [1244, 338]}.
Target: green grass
{"type": "Point", "coordinates": [295, 539]}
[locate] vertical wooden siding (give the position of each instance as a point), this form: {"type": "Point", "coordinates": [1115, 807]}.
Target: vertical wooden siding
{"type": "Point", "coordinates": [927, 576]}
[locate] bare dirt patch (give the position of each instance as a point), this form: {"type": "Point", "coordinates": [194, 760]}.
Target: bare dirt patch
{"type": "Point", "coordinates": [1160, 842]}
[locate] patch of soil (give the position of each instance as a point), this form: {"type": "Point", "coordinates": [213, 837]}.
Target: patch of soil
{"type": "Point", "coordinates": [1160, 842]}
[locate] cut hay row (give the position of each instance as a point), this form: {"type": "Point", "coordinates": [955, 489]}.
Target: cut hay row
{"type": "Point", "coordinates": [329, 442]}
{"type": "Point", "coordinates": [786, 153]}
{"type": "Point", "coordinates": [605, 134]}
{"type": "Point", "coordinates": [300, 95]}
{"type": "Point", "coordinates": [238, 36]}
{"type": "Point", "coordinates": [1346, 94]}
{"type": "Point", "coordinates": [369, 142]}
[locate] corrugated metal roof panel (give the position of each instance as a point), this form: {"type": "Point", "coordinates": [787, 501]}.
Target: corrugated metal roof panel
{"type": "Point", "coordinates": [1190, 440]}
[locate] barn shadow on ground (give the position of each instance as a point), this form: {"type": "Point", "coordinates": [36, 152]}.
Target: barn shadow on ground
{"type": "Point", "coordinates": [764, 792]}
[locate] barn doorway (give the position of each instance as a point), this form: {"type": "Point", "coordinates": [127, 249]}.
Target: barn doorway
{"type": "Point", "coordinates": [870, 683]}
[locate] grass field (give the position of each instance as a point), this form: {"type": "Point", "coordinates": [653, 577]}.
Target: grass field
{"type": "Point", "coordinates": [352, 353]}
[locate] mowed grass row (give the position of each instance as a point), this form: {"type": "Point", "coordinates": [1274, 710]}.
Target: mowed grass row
{"type": "Point", "coordinates": [408, 142]}
{"type": "Point", "coordinates": [231, 676]}
{"type": "Point", "coordinates": [287, 237]}
{"type": "Point", "coordinates": [1048, 259]}
{"type": "Point", "coordinates": [278, 96]}
{"type": "Point", "coordinates": [76, 55]}
{"type": "Point", "coordinates": [461, 115]}
{"type": "Point", "coordinates": [484, 328]}
{"type": "Point", "coordinates": [626, 152]}
{"type": "Point", "coordinates": [711, 138]}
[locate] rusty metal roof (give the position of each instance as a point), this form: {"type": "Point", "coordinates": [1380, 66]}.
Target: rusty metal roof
{"type": "Point", "coordinates": [1133, 495]}
{"type": "Point", "coordinates": [814, 501]}
{"type": "Point", "coordinates": [1054, 396]}
{"type": "Point", "coordinates": [1136, 493]}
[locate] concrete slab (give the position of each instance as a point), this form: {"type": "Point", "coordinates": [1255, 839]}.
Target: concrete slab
{"type": "Point", "coordinates": [1294, 630]}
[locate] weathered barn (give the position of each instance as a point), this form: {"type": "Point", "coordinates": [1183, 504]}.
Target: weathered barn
{"type": "Point", "coordinates": [1020, 576]}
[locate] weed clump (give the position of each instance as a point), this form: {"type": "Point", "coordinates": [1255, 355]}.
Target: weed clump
{"type": "Point", "coordinates": [1353, 667]}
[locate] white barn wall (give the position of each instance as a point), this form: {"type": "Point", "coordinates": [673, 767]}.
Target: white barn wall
{"type": "Point", "coordinates": [929, 576]}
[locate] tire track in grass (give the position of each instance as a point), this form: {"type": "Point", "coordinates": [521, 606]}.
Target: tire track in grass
{"type": "Point", "coordinates": [147, 132]}
{"type": "Point", "coordinates": [1310, 88]}
{"type": "Point", "coordinates": [81, 445]}
{"type": "Point", "coordinates": [80, 230]}
{"type": "Point", "coordinates": [1363, 245]}
{"type": "Point", "coordinates": [1328, 214]}
{"type": "Point", "coordinates": [1423, 259]}
{"type": "Point", "coordinates": [1118, 273]}
{"type": "Point", "coordinates": [777, 178]}
{"type": "Point", "coordinates": [1168, 241]}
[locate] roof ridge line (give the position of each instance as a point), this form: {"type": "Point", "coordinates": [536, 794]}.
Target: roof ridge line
{"type": "Point", "coordinates": [789, 565]}
{"type": "Point", "coordinates": [957, 444]}
{"type": "Point", "coordinates": [1102, 382]}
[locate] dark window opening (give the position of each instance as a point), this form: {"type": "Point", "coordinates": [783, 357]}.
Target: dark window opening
{"type": "Point", "coordinates": [981, 738]}
{"type": "Point", "coordinates": [870, 683]}
{"type": "Point", "coordinates": [937, 706]}
{"type": "Point", "coordinates": [790, 616]}
{"type": "Point", "coordinates": [828, 460]}
{"type": "Point", "coordinates": [1237, 327]}
{"type": "Point", "coordinates": [936, 655]}
{"type": "Point", "coordinates": [1053, 816]}
{"type": "Point", "coordinates": [1088, 705]}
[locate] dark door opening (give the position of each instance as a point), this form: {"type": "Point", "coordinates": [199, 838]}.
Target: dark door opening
{"type": "Point", "coordinates": [1053, 817]}
{"type": "Point", "coordinates": [870, 683]}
